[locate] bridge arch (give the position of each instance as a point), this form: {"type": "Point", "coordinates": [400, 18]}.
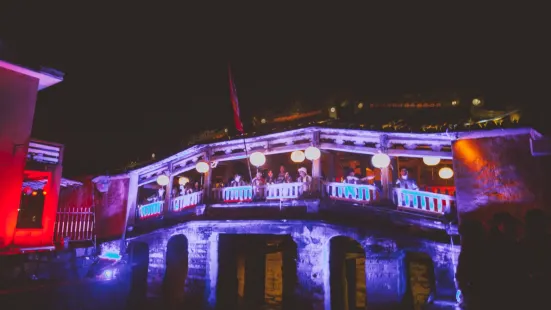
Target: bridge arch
{"type": "Point", "coordinates": [419, 272]}
{"type": "Point", "coordinates": [176, 271]}
{"type": "Point", "coordinates": [347, 277]}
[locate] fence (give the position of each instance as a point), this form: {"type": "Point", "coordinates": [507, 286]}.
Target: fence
{"type": "Point", "coordinates": [76, 223]}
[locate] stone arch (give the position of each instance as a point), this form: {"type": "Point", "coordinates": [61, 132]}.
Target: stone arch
{"type": "Point", "coordinates": [138, 253]}
{"type": "Point", "coordinates": [256, 271]}
{"type": "Point", "coordinates": [419, 272]}
{"type": "Point", "coordinates": [176, 271]}
{"type": "Point", "coordinates": [347, 278]}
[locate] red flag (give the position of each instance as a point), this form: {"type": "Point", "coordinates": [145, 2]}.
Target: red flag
{"type": "Point", "coordinates": [235, 104]}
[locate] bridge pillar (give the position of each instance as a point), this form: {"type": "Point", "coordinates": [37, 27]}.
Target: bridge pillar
{"type": "Point", "coordinates": [312, 272]}
{"type": "Point", "coordinates": [385, 275]}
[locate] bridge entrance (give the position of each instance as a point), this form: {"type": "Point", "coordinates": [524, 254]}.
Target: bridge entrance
{"type": "Point", "coordinates": [347, 274]}
{"type": "Point", "coordinates": [256, 272]}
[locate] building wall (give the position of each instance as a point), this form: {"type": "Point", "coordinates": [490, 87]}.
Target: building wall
{"type": "Point", "coordinates": [17, 104]}
{"type": "Point", "coordinates": [497, 175]}
{"type": "Point", "coordinates": [110, 207]}
{"type": "Point", "coordinates": [384, 265]}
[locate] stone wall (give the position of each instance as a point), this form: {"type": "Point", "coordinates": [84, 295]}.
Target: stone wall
{"type": "Point", "coordinates": [386, 283]}
{"type": "Point", "coordinates": [496, 175]}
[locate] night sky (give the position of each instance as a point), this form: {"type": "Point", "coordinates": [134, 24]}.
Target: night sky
{"type": "Point", "coordinates": [139, 79]}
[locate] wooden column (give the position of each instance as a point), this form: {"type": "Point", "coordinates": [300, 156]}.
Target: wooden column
{"type": "Point", "coordinates": [316, 166]}
{"type": "Point", "coordinates": [168, 194]}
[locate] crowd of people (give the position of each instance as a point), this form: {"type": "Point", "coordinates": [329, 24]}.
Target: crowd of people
{"type": "Point", "coordinates": [498, 270]}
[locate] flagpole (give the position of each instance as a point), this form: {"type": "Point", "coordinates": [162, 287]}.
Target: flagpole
{"type": "Point", "coordinates": [238, 123]}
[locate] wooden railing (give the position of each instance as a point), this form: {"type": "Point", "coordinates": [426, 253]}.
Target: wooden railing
{"type": "Point", "coordinates": [187, 201]}
{"type": "Point", "coordinates": [150, 210]}
{"type": "Point", "coordinates": [248, 193]}
{"type": "Point", "coordinates": [78, 224]}
{"type": "Point", "coordinates": [233, 194]}
{"type": "Point", "coordinates": [422, 200]}
{"type": "Point", "coordinates": [282, 191]}
{"type": "Point", "coordinates": [360, 193]}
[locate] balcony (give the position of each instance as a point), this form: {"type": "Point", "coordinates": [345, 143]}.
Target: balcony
{"type": "Point", "coordinates": [205, 172]}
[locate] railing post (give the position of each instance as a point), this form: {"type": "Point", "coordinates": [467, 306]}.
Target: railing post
{"type": "Point", "coordinates": [316, 165]}
{"type": "Point", "coordinates": [207, 178]}
{"type": "Point", "coordinates": [168, 193]}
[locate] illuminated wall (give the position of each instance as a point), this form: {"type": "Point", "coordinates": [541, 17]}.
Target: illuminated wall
{"type": "Point", "coordinates": [496, 174]}
{"type": "Point", "coordinates": [17, 104]}
{"type": "Point", "coordinates": [110, 206]}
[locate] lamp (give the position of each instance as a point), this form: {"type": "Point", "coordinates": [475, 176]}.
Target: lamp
{"type": "Point", "coordinates": [380, 160]}
{"type": "Point", "coordinates": [431, 160]}
{"type": "Point", "coordinates": [257, 159]}
{"type": "Point", "coordinates": [162, 180]}
{"type": "Point", "coordinates": [298, 156]}
{"type": "Point", "coordinates": [183, 181]}
{"type": "Point", "coordinates": [445, 173]}
{"type": "Point", "coordinates": [202, 166]}
{"type": "Point", "coordinates": [312, 153]}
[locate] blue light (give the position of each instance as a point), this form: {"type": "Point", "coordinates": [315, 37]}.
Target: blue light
{"type": "Point", "coordinates": [459, 296]}
{"type": "Point", "coordinates": [111, 256]}
{"type": "Point", "coordinates": [107, 274]}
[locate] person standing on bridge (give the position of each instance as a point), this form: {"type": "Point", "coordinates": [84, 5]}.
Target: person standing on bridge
{"type": "Point", "coordinates": [404, 181]}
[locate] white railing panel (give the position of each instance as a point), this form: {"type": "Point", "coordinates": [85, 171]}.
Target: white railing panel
{"type": "Point", "coordinates": [150, 210]}
{"type": "Point", "coordinates": [422, 200]}
{"type": "Point", "coordinates": [360, 193]}
{"type": "Point", "coordinates": [233, 194]}
{"type": "Point", "coordinates": [283, 191]}
{"type": "Point", "coordinates": [187, 201]}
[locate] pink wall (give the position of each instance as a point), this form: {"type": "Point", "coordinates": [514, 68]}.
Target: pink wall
{"type": "Point", "coordinates": [17, 103]}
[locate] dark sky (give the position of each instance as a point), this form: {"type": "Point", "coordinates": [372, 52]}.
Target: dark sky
{"type": "Point", "coordinates": [139, 78]}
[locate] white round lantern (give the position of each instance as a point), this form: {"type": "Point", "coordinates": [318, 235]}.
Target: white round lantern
{"type": "Point", "coordinates": [162, 180]}
{"type": "Point", "coordinates": [183, 181]}
{"type": "Point", "coordinates": [380, 160]}
{"type": "Point", "coordinates": [298, 156]}
{"type": "Point", "coordinates": [257, 159]}
{"type": "Point", "coordinates": [445, 173]}
{"type": "Point", "coordinates": [312, 153]}
{"type": "Point", "coordinates": [202, 166]}
{"type": "Point", "coordinates": [431, 160]}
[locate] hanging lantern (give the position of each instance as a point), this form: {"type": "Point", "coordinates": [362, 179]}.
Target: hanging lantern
{"type": "Point", "coordinates": [312, 153]}
{"type": "Point", "coordinates": [257, 159]}
{"type": "Point", "coordinates": [202, 167]}
{"type": "Point", "coordinates": [431, 160]}
{"type": "Point", "coordinates": [35, 193]}
{"type": "Point", "coordinates": [162, 180]}
{"type": "Point", "coordinates": [445, 173]}
{"type": "Point", "coordinates": [380, 160]}
{"type": "Point", "coordinates": [27, 190]}
{"type": "Point", "coordinates": [44, 193]}
{"type": "Point", "coordinates": [298, 156]}
{"type": "Point", "coordinates": [183, 181]}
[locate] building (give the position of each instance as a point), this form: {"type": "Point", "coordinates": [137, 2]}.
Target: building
{"type": "Point", "coordinates": [30, 170]}
{"type": "Point", "coordinates": [353, 235]}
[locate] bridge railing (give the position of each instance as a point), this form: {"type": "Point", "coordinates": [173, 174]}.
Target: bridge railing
{"type": "Point", "coordinates": [248, 193]}
{"type": "Point", "coordinates": [187, 201]}
{"type": "Point", "coordinates": [149, 210]}
{"type": "Point", "coordinates": [422, 201]}
{"type": "Point", "coordinates": [360, 193]}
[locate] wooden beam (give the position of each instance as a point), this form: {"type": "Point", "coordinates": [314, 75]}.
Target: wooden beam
{"type": "Point", "coordinates": [272, 151]}
{"type": "Point", "coordinates": [371, 151]}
